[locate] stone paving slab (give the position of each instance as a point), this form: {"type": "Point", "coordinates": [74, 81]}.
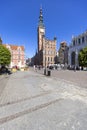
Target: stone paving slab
{"type": "Point", "coordinates": [13, 108]}
{"type": "Point", "coordinates": [32, 101]}
{"type": "Point", "coordinates": [62, 115]}
{"type": "Point", "coordinates": [3, 81]}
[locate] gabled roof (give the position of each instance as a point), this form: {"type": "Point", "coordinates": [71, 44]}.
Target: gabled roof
{"type": "Point", "coordinates": [14, 47]}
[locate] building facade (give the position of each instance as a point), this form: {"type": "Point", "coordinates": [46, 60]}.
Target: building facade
{"type": "Point", "coordinates": [46, 48]}
{"type": "Point", "coordinates": [17, 55]}
{"type": "Point", "coordinates": [63, 53]}
{"type": "Point", "coordinates": [78, 43]}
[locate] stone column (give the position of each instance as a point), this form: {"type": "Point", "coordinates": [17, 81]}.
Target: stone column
{"type": "Point", "coordinates": [69, 58]}
{"type": "Point", "coordinates": [76, 57]}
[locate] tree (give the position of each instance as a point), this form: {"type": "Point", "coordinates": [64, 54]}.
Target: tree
{"type": "Point", "coordinates": [83, 57]}
{"type": "Point", "coordinates": [5, 56]}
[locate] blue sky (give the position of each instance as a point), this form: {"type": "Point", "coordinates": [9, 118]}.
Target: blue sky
{"type": "Point", "coordinates": [62, 18]}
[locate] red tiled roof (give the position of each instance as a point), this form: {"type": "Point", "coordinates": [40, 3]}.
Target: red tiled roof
{"type": "Point", "coordinates": [14, 47]}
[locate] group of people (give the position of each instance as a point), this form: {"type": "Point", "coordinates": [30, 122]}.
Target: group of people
{"type": "Point", "coordinates": [37, 67]}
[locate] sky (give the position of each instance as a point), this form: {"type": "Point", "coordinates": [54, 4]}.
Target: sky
{"type": "Point", "coordinates": [62, 19]}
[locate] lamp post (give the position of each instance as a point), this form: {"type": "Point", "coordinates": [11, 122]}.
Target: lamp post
{"type": "Point", "coordinates": [45, 58]}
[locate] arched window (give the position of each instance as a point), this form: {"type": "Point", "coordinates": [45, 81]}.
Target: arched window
{"type": "Point", "coordinates": [73, 58]}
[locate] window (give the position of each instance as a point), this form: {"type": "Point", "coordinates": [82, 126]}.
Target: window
{"type": "Point", "coordinates": [74, 43]}
{"type": "Point", "coordinates": [48, 58]}
{"type": "Point", "coordinates": [86, 38]}
{"type": "Point", "coordinates": [82, 39]}
{"type": "Point", "coordinates": [79, 41]}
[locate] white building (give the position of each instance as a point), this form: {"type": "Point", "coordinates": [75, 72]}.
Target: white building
{"type": "Point", "coordinates": [78, 43]}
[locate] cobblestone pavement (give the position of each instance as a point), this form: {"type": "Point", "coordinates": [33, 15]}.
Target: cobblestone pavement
{"type": "Point", "coordinates": [32, 101]}
{"type": "Point", "coordinates": [76, 77]}
{"type": "Point", "coordinates": [3, 81]}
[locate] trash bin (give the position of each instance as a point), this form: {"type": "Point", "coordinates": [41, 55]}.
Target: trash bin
{"type": "Point", "coordinates": [49, 73]}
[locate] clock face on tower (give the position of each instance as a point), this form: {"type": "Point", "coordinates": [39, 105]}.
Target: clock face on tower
{"type": "Point", "coordinates": [42, 30]}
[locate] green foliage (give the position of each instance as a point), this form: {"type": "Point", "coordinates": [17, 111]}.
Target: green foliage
{"type": "Point", "coordinates": [83, 57]}
{"type": "Point", "coordinates": [5, 56]}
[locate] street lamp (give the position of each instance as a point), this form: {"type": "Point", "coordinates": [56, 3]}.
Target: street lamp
{"type": "Point", "coordinates": [45, 58]}
{"type": "Point", "coordinates": [44, 52]}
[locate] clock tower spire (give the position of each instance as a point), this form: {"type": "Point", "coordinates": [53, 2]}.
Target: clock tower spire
{"type": "Point", "coordinates": [41, 24]}
{"type": "Point", "coordinates": [40, 31]}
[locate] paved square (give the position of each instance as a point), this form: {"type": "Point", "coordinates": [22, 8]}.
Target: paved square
{"type": "Point", "coordinates": [32, 101]}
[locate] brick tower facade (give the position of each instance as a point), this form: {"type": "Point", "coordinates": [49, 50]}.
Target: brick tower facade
{"type": "Point", "coordinates": [46, 47]}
